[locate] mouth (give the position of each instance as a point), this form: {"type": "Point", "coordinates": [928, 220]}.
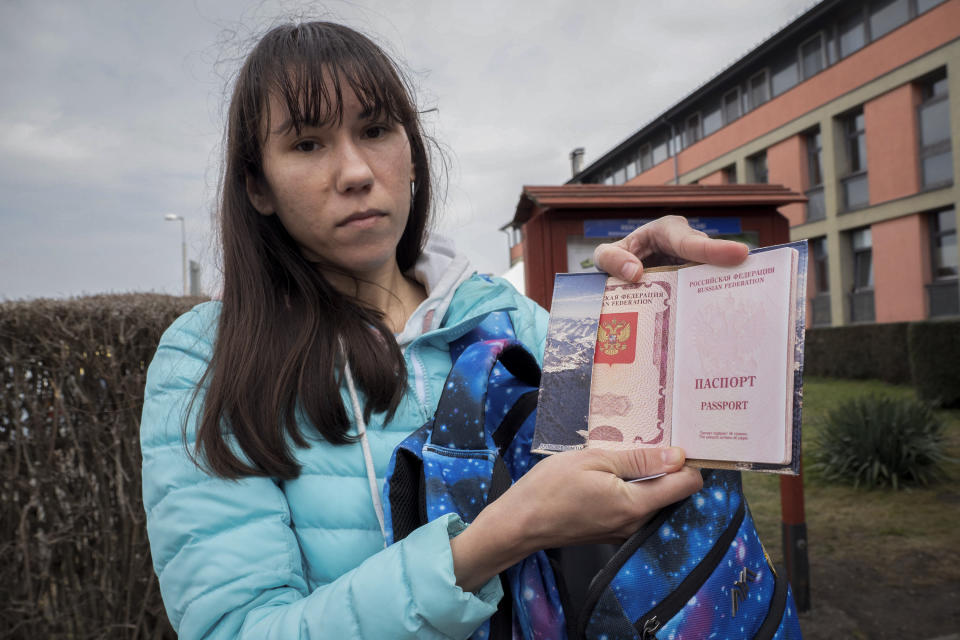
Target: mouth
{"type": "Point", "coordinates": [361, 217]}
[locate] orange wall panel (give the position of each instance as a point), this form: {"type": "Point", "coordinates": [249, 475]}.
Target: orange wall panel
{"type": "Point", "coordinates": [716, 177]}
{"type": "Point", "coordinates": [786, 166]}
{"type": "Point", "coordinates": [898, 269]}
{"type": "Point", "coordinates": [892, 156]}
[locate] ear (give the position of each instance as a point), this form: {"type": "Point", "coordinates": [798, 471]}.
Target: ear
{"type": "Point", "coordinates": [259, 196]}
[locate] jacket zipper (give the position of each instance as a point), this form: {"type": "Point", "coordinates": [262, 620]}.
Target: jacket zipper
{"type": "Point", "coordinates": [777, 605]}
{"type": "Point", "coordinates": [650, 623]}
{"type": "Point", "coordinates": [419, 379]}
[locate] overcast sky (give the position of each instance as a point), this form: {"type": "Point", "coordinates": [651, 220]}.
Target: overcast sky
{"type": "Point", "coordinates": [111, 113]}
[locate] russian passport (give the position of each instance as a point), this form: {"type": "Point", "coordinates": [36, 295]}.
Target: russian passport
{"type": "Point", "coordinates": [697, 356]}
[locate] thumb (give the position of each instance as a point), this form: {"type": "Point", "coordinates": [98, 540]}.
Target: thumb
{"type": "Point", "coordinates": [617, 260]}
{"type": "Point", "coordinates": [638, 463]}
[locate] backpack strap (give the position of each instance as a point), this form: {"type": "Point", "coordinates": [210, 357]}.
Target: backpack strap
{"type": "Point", "coordinates": [460, 418]}
{"type": "Point", "coordinates": [495, 325]}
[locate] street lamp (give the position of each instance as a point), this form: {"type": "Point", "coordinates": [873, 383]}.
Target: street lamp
{"type": "Point", "coordinates": [172, 217]}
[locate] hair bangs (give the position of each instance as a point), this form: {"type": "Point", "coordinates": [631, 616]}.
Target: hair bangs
{"type": "Point", "coordinates": [308, 75]}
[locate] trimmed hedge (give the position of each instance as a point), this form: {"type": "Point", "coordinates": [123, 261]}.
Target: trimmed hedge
{"type": "Point", "coordinates": [935, 361]}
{"type": "Point", "coordinates": [74, 559]}
{"type": "Point", "coordinates": [859, 351]}
{"type": "Point", "coordinates": [923, 354]}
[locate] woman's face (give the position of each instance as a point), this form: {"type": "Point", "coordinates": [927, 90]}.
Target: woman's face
{"type": "Point", "coordinates": [342, 191]}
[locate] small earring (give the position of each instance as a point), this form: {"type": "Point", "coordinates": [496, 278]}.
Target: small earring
{"type": "Point", "coordinates": [413, 189]}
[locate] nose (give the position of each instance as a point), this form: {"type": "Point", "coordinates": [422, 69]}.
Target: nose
{"type": "Point", "coordinates": [354, 172]}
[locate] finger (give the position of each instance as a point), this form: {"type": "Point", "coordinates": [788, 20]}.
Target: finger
{"type": "Point", "coordinates": [637, 463]}
{"type": "Point", "coordinates": [674, 236]}
{"type": "Point", "coordinates": [656, 494]}
{"type": "Point", "coordinates": [615, 259]}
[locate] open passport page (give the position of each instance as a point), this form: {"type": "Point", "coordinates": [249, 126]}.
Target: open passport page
{"type": "Point", "coordinates": [701, 357]}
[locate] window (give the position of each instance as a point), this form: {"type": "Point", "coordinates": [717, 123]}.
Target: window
{"type": "Point", "coordinates": [811, 56]}
{"type": "Point", "coordinates": [646, 158]}
{"type": "Point", "coordinates": [692, 131]}
{"type": "Point", "coordinates": [758, 167]}
{"type": "Point", "coordinates": [821, 275]}
{"type": "Point", "coordinates": [862, 259]}
{"type": "Point", "coordinates": [660, 152]}
{"type": "Point", "coordinates": [730, 174]}
{"type": "Point", "coordinates": [943, 240]}
{"type": "Point", "coordinates": [631, 170]}
{"type": "Point", "coordinates": [712, 120]}
{"type": "Point", "coordinates": [943, 293]}
{"type": "Point", "coordinates": [861, 298]}
{"type": "Point", "coordinates": [831, 45]}
{"type": "Point", "coordinates": [852, 33]}
{"type": "Point", "coordinates": [856, 142]}
{"type": "Point", "coordinates": [620, 175]}
{"type": "Point", "coordinates": [925, 5]}
{"type": "Point", "coordinates": [731, 105]}
{"type": "Point", "coordinates": [759, 92]}
{"type": "Point", "coordinates": [887, 15]}
{"type": "Point", "coordinates": [933, 115]}
{"type": "Point", "coordinates": [820, 281]}
{"type": "Point", "coordinates": [676, 142]}
{"type": "Point", "coordinates": [816, 207]}
{"type": "Point", "coordinates": [784, 74]}
{"type": "Point", "coordinates": [855, 187]}
{"type": "Point", "coordinates": [814, 158]}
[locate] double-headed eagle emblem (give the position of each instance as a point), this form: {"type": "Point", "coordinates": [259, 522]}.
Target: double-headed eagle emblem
{"type": "Point", "coordinates": [612, 336]}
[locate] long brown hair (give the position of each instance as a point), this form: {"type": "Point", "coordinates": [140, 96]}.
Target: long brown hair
{"type": "Point", "coordinates": [278, 348]}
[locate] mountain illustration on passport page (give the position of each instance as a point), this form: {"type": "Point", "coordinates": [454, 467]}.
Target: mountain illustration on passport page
{"type": "Point", "coordinates": [564, 402]}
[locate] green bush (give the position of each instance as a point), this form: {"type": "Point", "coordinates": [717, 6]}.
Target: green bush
{"type": "Point", "coordinates": [880, 441]}
{"type": "Point", "coordinates": [934, 357]}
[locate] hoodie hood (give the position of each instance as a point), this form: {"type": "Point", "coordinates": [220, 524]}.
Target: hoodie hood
{"type": "Point", "coordinates": [440, 269]}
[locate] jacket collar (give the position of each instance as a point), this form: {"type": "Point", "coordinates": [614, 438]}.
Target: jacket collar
{"type": "Point", "coordinates": [457, 298]}
{"type": "Point", "coordinates": [441, 271]}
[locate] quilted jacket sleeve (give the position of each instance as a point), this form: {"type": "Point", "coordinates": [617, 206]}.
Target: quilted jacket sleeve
{"type": "Point", "coordinates": [228, 561]}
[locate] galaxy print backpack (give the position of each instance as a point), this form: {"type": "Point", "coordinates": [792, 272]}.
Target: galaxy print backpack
{"type": "Point", "coordinates": [697, 570]}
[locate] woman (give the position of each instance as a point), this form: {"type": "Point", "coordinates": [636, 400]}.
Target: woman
{"type": "Point", "coordinates": [269, 417]}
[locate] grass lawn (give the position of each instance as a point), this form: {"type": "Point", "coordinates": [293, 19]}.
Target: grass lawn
{"type": "Point", "coordinates": [885, 530]}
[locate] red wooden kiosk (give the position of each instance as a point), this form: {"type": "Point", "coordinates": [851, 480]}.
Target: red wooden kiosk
{"type": "Point", "coordinates": [561, 224]}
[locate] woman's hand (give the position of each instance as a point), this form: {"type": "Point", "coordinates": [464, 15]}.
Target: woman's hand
{"type": "Point", "coordinates": [666, 240]}
{"type": "Point", "coordinates": [577, 497]}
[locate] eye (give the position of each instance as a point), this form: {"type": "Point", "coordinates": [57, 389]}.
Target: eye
{"type": "Point", "coordinates": [307, 146]}
{"type": "Point", "coordinates": [375, 131]}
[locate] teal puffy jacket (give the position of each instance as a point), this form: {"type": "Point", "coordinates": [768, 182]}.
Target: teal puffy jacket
{"type": "Point", "coordinates": [261, 558]}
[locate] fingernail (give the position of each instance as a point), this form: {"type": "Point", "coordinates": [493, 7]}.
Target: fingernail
{"type": "Point", "coordinates": [672, 456]}
{"type": "Point", "coordinates": [629, 271]}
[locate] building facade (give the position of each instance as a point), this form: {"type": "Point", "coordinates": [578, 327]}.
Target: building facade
{"type": "Point", "coordinates": [857, 105]}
